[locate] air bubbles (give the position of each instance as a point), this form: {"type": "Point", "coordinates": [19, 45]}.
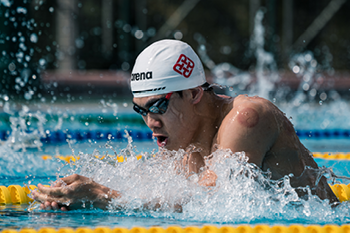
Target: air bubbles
{"type": "Point", "coordinates": [51, 9]}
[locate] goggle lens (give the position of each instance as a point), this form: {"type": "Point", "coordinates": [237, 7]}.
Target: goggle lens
{"type": "Point", "coordinates": [159, 107]}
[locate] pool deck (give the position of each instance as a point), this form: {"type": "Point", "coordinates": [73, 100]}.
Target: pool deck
{"type": "Point", "coordinates": [107, 81]}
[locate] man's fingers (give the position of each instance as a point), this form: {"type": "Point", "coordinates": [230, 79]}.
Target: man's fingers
{"type": "Point", "coordinates": [58, 183]}
{"type": "Point", "coordinates": [55, 205]}
{"type": "Point", "coordinates": [52, 191]}
{"type": "Point", "coordinates": [43, 198]}
{"type": "Point", "coordinates": [70, 179]}
{"type": "Point", "coordinates": [47, 205]}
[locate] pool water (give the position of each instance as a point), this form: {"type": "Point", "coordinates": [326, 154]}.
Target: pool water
{"type": "Point", "coordinates": [236, 200]}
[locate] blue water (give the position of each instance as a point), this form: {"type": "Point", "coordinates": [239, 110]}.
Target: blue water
{"type": "Point", "coordinates": [27, 167]}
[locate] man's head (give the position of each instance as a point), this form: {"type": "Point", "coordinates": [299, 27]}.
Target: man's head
{"type": "Point", "coordinates": [166, 83]}
{"type": "Point", "coordinates": [166, 66]}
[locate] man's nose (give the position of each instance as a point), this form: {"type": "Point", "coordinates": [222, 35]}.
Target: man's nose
{"type": "Point", "coordinates": [153, 121]}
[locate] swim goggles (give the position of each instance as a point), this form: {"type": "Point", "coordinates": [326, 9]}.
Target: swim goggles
{"type": "Point", "coordinates": [158, 107]}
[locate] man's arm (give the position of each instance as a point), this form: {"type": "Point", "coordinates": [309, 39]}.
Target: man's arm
{"type": "Point", "coordinates": [250, 127]}
{"type": "Point", "coordinates": [72, 192]}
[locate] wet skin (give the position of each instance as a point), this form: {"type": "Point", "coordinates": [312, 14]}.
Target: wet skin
{"type": "Point", "coordinates": [209, 122]}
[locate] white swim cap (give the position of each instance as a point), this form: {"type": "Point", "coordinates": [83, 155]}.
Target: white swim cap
{"type": "Point", "coordinates": [166, 66]}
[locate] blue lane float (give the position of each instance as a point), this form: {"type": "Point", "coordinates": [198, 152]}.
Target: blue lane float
{"type": "Point", "coordinates": [59, 136]}
{"type": "Point", "coordinates": [82, 135]}
{"type": "Point", "coordinates": [324, 134]}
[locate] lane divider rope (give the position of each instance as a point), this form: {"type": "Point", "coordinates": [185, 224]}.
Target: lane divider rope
{"type": "Point", "coordinates": [332, 155]}
{"type": "Point", "coordinates": [323, 133]}
{"type": "Point", "coordinates": [261, 228]}
{"type": "Point", "coordinates": [18, 195]}
{"type": "Point", "coordinates": [72, 158]}
{"type": "Point", "coordinates": [144, 134]}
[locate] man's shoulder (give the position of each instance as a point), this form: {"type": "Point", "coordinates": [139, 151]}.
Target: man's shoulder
{"type": "Point", "coordinates": [250, 112]}
{"type": "Point", "coordinates": [258, 104]}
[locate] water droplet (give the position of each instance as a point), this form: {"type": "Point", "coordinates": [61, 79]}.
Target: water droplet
{"type": "Point", "coordinates": [21, 10]}
{"type": "Point", "coordinates": [33, 38]}
{"type": "Point", "coordinates": [139, 34]}
{"type": "Point", "coordinates": [125, 66]}
{"type": "Point", "coordinates": [51, 9]}
{"type": "Point", "coordinates": [42, 62]}
{"type": "Point", "coordinates": [5, 97]}
{"type": "Point", "coordinates": [296, 69]}
{"type": "Point", "coordinates": [323, 96]}
{"type": "Point", "coordinates": [178, 35]}
{"type": "Point", "coordinates": [12, 66]}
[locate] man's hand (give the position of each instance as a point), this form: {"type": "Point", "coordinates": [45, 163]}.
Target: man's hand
{"type": "Point", "coordinates": [74, 192]}
{"type": "Point", "coordinates": [207, 178]}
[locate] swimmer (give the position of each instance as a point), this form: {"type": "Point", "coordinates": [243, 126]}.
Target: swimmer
{"type": "Point", "coordinates": [176, 102]}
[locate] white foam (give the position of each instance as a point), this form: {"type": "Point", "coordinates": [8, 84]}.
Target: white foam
{"type": "Point", "coordinates": [243, 193]}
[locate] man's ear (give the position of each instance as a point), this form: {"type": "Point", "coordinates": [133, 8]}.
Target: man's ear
{"type": "Point", "coordinates": [196, 94]}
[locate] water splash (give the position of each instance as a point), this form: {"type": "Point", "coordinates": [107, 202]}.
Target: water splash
{"type": "Point", "coordinates": [239, 81]}
{"type": "Point", "coordinates": [266, 68]}
{"type": "Point", "coordinates": [159, 186]}
{"type": "Point", "coordinates": [27, 129]}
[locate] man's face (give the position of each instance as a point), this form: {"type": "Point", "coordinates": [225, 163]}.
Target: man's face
{"type": "Point", "coordinates": [174, 128]}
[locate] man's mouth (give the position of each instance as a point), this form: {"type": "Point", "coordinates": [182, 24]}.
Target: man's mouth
{"type": "Point", "coordinates": [162, 141]}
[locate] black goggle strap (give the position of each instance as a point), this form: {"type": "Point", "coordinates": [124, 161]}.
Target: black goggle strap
{"type": "Point", "coordinates": [163, 103]}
